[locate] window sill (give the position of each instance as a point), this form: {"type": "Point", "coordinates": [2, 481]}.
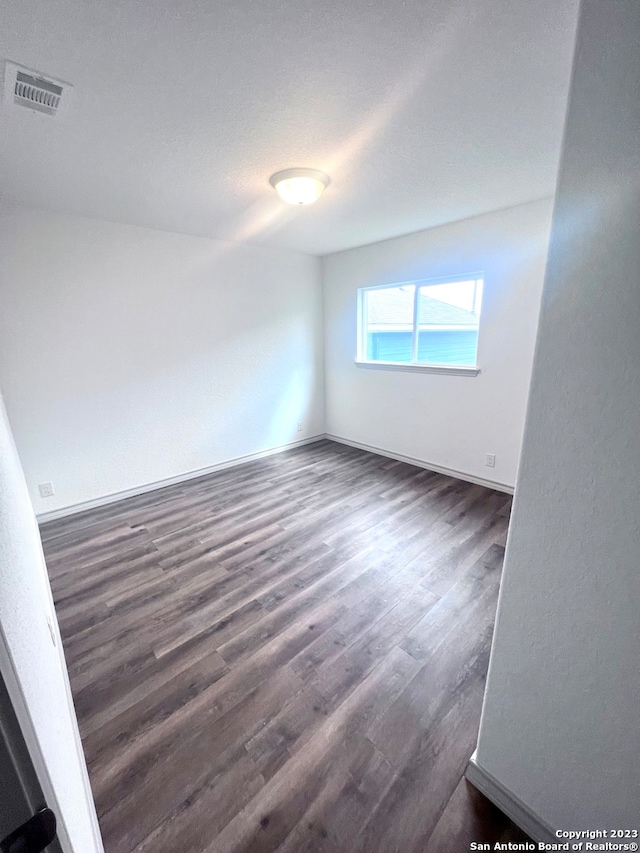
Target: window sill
{"type": "Point", "coordinates": [451, 369]}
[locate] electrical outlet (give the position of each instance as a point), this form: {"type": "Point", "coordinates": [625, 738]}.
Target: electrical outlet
{"type": "Point", "coordinates": [46, 490]}
{"type": "Point", "coordinates": [491, 460]}
{"type": "Point", "coordinates": [299, 426]}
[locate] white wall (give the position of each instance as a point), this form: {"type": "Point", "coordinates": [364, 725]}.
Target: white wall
{"type": "Point", "coordinates": [560, 727]}
{"type": "Point", "coordinates": [33, 667]}
{"type": "Point", "coordinates": [444, 420]}
{"type": "Point", "coordinates": [129, 355]}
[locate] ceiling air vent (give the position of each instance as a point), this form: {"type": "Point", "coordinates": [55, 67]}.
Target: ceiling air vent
{"type": "Point", "coordinates": [24, 87]}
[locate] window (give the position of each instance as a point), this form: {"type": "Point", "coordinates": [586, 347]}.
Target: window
{"type": "Point", "coordinates": [421, 324]}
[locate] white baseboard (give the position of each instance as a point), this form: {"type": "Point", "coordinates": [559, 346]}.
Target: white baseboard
{"type": "Point", "coordinates": [411, 460]}
{"type": "Point", "coordinates": [74, 509]}
{"type": "Point", "coordinates": [524, 817]}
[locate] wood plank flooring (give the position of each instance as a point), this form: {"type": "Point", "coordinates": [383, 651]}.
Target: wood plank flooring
{"type": "Point", "coordinates": [288, 655]}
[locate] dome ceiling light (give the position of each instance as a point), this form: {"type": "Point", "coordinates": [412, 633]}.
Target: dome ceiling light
{"type": "Point", "coordinates": [299, 186]}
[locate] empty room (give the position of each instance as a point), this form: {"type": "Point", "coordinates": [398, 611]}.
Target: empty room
{"type": "Point", "coordinates": [319, 408]}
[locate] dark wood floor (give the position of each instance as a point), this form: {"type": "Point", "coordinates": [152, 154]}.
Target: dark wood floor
{"type": "Point", "coordinates": [289, 655]}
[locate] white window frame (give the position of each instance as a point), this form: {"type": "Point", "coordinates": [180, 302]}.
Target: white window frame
{"type": "Point", "coordinates": [414, 365]}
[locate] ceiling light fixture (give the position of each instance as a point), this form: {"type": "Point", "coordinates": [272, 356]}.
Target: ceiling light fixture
{"type": "Point", "coordinates": [299, 186]}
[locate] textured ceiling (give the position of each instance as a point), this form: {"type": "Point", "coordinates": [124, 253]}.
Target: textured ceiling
{"type": "Point", "coordinates": [421, 111]}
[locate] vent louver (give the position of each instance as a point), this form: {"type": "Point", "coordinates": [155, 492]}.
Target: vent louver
{"type": "Point", "coordinates": [26, 88]}
{"type": "Point", "coordinates": [37, 93]}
